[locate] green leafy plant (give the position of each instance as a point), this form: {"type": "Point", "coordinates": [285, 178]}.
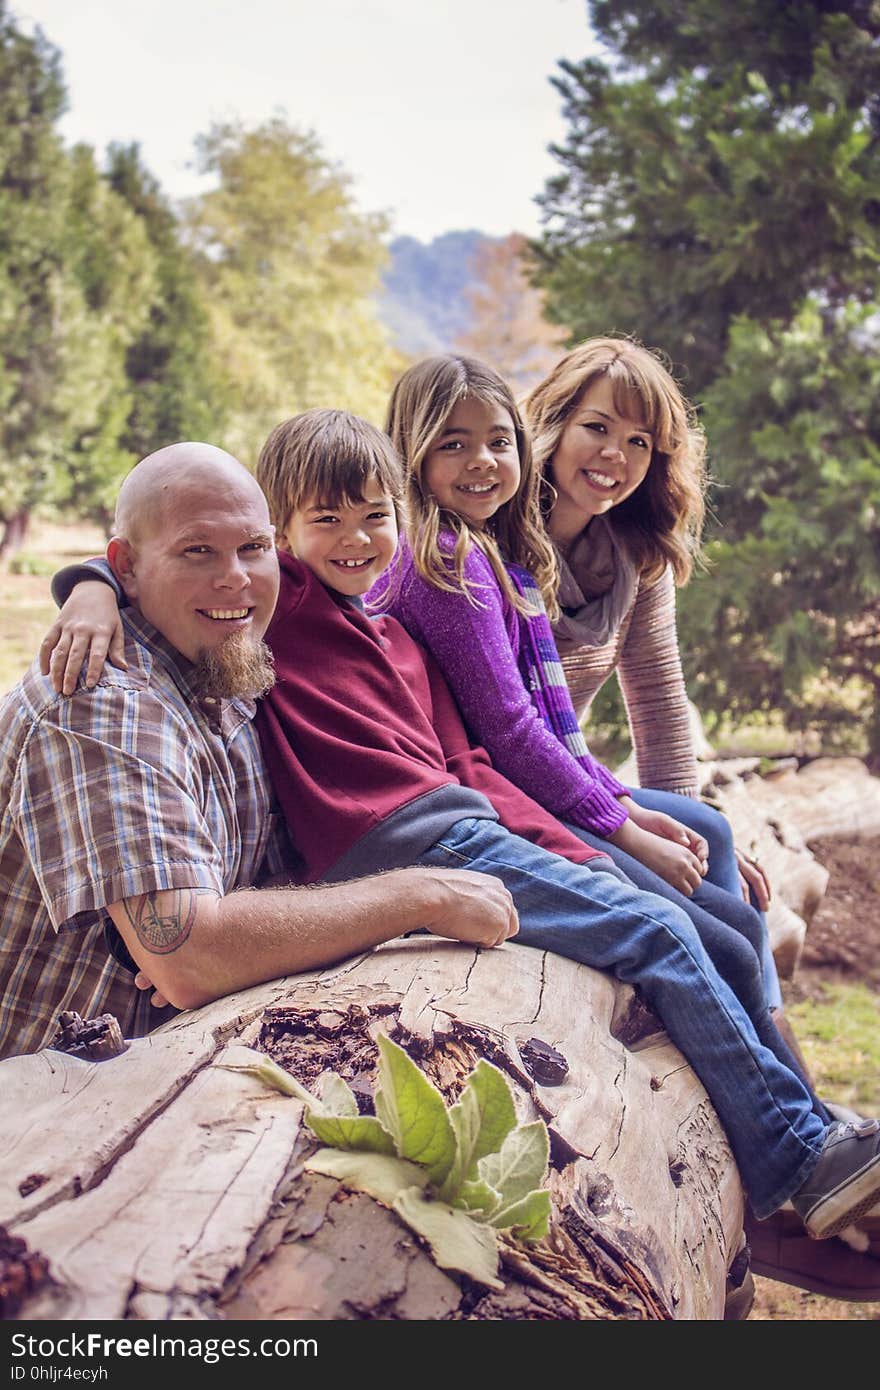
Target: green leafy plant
{"type": "Point", "coordinates": [455, 1175]}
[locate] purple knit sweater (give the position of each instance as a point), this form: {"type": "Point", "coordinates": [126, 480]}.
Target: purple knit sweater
{"type": "Point", "coordinates": [479, 651]}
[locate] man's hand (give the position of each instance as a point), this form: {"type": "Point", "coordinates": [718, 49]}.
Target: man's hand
{"type": "Point", "coordinates": [143, 981]}
{"type": "Point", "coordinates": [192, 945]}
{"type": "Point", "coordinates": [474, 908]}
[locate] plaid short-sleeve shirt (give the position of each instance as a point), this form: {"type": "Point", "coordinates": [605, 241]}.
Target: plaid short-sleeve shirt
{"type": "Point", "coordinates": [125, 789]}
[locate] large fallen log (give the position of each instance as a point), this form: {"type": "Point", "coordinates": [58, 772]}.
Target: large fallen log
{"type": "Point", "coordinates": [158, 1184]}
{"type": "Point", "coordinates": [778, 814]}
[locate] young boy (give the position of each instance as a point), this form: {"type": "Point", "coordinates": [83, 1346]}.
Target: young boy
{"type": "Point", "coordinates": [374, 770]}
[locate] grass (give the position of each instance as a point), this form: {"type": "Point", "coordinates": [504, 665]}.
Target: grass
{"type": "Point", "coordinates": [25, 598]}
{"type": "Point", "coordinates": [840, 1039]}
{"type": "Point", "coordinates": [841, 1042]}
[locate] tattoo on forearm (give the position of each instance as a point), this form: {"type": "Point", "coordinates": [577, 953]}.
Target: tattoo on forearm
{"type": "Point", "coordinates": [163, 930]}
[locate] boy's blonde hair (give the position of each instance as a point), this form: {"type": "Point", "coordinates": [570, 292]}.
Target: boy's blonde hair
{"type": "Point", "coordinates": [663, 519]}
{"type": "Point", "coordinates": [420, 405]}
{"type": "Point", "coordinates": [326, 456]}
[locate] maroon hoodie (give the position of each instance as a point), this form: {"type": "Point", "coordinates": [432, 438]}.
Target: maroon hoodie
{"type": "Point", "coordinates": [365, 746]}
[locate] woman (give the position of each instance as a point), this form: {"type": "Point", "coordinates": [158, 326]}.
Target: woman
{"type": "Point", "coordinates": [625, 460]}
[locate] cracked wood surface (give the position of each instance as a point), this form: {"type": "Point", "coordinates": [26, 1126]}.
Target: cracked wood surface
{"type": "Point", "coordinates": [170, 1187]}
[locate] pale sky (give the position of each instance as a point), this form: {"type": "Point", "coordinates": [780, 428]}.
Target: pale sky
{"type": "Point", "coordinates": [441, 110]}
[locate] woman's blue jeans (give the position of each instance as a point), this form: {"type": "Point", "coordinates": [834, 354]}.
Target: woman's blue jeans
{"type": "Point", "coordinates": [774, 1124]}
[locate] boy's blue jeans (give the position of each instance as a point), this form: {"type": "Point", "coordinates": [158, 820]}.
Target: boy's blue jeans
{"type": "Point", "coordinates": [774, 1124]}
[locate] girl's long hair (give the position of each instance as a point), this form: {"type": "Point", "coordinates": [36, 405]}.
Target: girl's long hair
{"type": "Point", "coordinates": [421, 403]}
{"type": "Point", "coordinates": [662, 520]}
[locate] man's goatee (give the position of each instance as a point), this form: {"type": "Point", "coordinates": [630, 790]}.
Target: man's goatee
{"type": "Point", "coordinates": [239, 668]}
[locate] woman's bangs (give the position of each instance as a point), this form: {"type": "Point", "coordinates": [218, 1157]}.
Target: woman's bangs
{"type": "Point", "coordinates": [638, 397]}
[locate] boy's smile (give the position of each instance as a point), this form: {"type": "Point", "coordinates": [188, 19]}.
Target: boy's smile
{"type": "Point", "coordinates": [347, 546]}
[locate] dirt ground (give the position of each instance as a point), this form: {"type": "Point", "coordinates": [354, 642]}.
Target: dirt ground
{"type": "Point", "coordinates": [843, 940]}
{"type": "Point", "coordinates": [842, 947]}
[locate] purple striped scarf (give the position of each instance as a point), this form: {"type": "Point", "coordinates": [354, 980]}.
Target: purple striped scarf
{"type": "Point", "coordinates": [544, 676]}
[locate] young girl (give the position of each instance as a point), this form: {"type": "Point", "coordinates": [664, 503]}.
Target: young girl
{"type": "Point", "coordinates": [472, 583]}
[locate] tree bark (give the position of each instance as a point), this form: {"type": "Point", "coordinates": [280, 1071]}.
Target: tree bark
{"type": "Point", "coordinates": [15, 529]}
{"type": "Point", "coordinates": [777, 815]}
{"type": "Point", "coordinates": [158, 1185]}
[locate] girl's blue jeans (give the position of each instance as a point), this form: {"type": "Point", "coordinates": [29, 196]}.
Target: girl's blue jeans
{"type": "Point", "coordinates": [719, 893]}
{"type": "Point", "coordinates": [774, 1124]}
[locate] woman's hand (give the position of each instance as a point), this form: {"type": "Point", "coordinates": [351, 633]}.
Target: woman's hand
{"type": "Point", "coordinates": [752, 876]}
{"type": "Point", "coordinates": [87, 626]}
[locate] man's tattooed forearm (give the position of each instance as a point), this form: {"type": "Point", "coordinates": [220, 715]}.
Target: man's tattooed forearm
{"type": "Point", "coordinates": [163, 921]}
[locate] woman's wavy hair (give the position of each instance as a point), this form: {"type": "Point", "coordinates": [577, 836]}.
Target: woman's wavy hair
{"type": "Point", "coordinates": [421, 403]}
{"type": "Point", "coordinates": [662, 520]}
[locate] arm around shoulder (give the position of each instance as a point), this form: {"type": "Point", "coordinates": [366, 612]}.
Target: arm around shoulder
{"type": "Point", "coordinates": [87, 626]}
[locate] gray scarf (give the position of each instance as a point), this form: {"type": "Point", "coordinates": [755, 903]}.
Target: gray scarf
{"type": "Point", "coordinates": [598, 583]}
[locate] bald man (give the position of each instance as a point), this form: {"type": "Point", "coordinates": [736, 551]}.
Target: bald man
{"type": "Point", "coordinates": [143, 802]}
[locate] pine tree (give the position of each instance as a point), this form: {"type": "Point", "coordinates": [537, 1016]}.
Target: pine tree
{"type": "Point", "coordinates": [32, 187]}
{"type": "Point", "coordinates": [719, 198]}
{"type": "Point", "coordinates": [722, 160]}
{"type": "Point", "coordinates": [176, 390]}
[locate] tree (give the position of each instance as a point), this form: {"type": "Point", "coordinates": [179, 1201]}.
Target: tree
{"type": "Point", "coordinates": [176, 390]}
{"type": "Point", "coordinates": [76, 282]}
{"type": "Point", "coordinates": [32, 180]}
{"type": "Point", "coordinates": [110, 273]}
{"type": "Point", "coordinates": [724, 160]}
{"type": "Point", "coordinates": [789, 617]}
{"type": "Point", "coordinates": [719, 199]}
{"type": "Point", "coordinates": [507, 325]}
{"type": "Point", "coordinates": [289, 268]}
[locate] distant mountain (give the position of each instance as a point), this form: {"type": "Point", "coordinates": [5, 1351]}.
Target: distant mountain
{"type": "Point", "coordinates": [423, 302]}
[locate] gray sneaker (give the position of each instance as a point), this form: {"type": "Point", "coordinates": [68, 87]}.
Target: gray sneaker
{"type": "Point", "coordinates": [845, 1182]}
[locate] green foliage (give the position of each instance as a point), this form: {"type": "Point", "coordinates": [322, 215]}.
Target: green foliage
{"type": "Point", "coordinates": [26, 563]}
{"type": "Point", "coordinates": [176, 390]}
{"type": "Point", "coordinates": [32, 190]}
{"type": "Point", "coordinates": [112, 284]}
{"type": "Point", "coordinates": [455, 1176]}
{"type": "Point", "coordinates": [788, 617]}
{"type": "Point", "coordinates": [289, 269]}
{"type": "Point", "coordinates": [76, 283]}
{"type": "Point", "coordinates": [718, 198]}
{"type": "Point", "coordinates": [605, 727]}
{"type": "Point", "coordinates": [723, 161]}
{"type": "Point", "coordinates": [118, 335]}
